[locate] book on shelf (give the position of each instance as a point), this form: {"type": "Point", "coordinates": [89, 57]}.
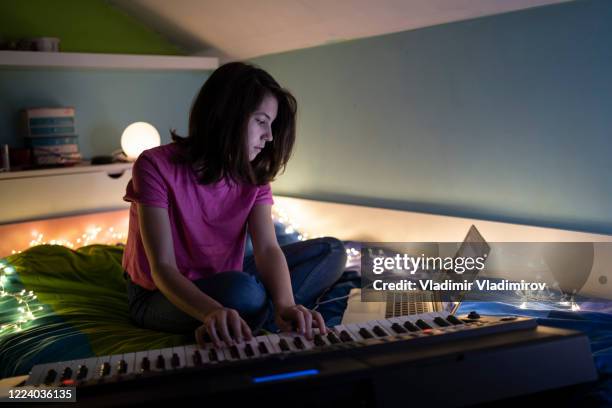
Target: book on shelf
{"type": "Point", "coordinates": [43, 131]}
{"type": "Point", "coordinates": [43, 122]}
{"type": "Point", "coordinates": [59, 149]}
{"type": "Point", "coordinates": [52, 121]}
{"type": "Point", "coordinates": [57, 159]}
{"type": "Point", "coordinates": [51, 134]}
{"type": "Point", "coordinates": [51, 141]}
{"type": "Point", "coordinates": [52, 112]}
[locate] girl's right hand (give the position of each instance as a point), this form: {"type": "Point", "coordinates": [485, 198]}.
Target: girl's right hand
{"type": "Point", "coordinates": [218, 323]}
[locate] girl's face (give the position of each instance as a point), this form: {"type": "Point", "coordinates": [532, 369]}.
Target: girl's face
{"type": "Point", "coordinates": [260, 126]}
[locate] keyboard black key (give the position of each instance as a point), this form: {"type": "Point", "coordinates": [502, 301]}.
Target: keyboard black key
{"type": "Point", "coordinates": [66, 374]}
{"type": "Point", "coordinates": [318, 340]}
{"type": "Point", "coordinates": [122, 367]}
{"type": "Point", "coordinates": [397, 328]}
{"type": "Point", "coordinates": [441, 322]}
{"type": "Point", "coordinates": [105, 369]}
{"type": "Point", "coordinates": [175, 361]}
{"type": "Point", "coordinates": [82, 373]}
{"type": "Point", "coordinates": [345, 336]}
{"type": "Point", "coordinates": [379, 331]}
{"type": "Point", "coordinates": [197, 358]}
{"type": "Point", "coordinates": [145, 365]}
{"type": "Point", "coordinates": [410, 327]}
{"type": "Point", "coordinates": [50, 378]}
{"type": "Point", "coordinates": [262, 347]}
{"type": "Point", "coordinates": [365, 333]}
{"type": "Point", "coordinates": [282, 343]}
{"type": "Point", "coordinates": [248, 350]}
{"type": "Point", "coordinates": [333, 339]}
{"type": "Point", "coordinates": [212, 355]}
{"type": "Point", "coordinates": [299, 343]}
{"type": "Point", "coordinates": [422, 324]}
{"type": "Point", "coordinates": [160, 364]}
{"type": "Point", "coordinates": [234, 352]}
{"type": "Point", "coordinates": [453, 319]}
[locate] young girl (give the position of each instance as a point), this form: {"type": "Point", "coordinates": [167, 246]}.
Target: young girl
{"type": "Point", "coordinates": [192, 202]}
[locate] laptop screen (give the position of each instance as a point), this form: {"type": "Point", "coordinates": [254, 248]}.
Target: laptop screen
{"type": "Point", "coordinates": [473, 246]}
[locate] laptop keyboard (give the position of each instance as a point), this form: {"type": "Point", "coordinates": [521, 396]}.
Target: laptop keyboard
{"type": "Point", "coordinates": [410, 303]}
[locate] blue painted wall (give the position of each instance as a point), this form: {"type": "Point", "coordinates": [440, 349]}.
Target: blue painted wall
{"type": "Point", "coordinates": [106, 101]}
{"type": "Point", "coordinates": [505, 118]}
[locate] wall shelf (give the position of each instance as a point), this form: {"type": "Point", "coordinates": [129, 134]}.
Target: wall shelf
{"type": "Point", "coordinates": [61, 191]}
{"type": "Point", "coordinates": [111, 169]}
{"type": "Point", "coordinates": [105, 61]}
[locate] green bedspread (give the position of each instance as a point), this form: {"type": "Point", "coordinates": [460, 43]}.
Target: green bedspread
{"type": "Point", "coordinates": [84, 300]}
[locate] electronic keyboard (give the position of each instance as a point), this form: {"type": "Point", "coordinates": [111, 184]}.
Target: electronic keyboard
{"type": "Point", "coordinates": [428, 358]}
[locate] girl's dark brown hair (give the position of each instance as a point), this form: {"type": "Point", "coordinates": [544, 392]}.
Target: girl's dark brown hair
{"type": "Point", "coordinates": [216, 146]}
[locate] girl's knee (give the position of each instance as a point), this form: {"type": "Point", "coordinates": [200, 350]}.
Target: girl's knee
{"type": "Point", "coordinates": [336, 249]}
{"type": "Point", "coordinates": [333, 244]}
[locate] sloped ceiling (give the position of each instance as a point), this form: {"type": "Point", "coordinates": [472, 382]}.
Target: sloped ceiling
{"type": "Point", "coordinates": [242, 29]}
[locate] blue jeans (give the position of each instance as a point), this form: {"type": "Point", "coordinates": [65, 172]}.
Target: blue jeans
{"type": "Point", "coordinates": [314, 266]}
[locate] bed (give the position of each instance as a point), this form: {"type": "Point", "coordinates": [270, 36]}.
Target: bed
{"type": "Point", "coordinates": [65, 299]}
{"type": "Point", "coordinates": [77, 306]}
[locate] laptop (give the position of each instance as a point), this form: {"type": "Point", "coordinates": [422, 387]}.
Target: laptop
{"type": "Point", "coordinates": [417, 302]}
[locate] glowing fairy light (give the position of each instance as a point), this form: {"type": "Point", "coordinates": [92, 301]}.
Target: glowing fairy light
{"type": "Point", "coordinates": [25, 311]}
{"type": "Point", "coordinates": [110, 235]}
{"type": "Point", "coordinates": [280, 215]}
{"type": "Point", "coordinates": [23, 299]}
{"type": "Point", "coordinates": [353, 255]}
{"type": "Point", "coordinates": [93, 235]}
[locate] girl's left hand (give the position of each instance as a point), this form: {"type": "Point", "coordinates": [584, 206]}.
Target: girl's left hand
{"type": "Point", "coordinates": [299, 318]}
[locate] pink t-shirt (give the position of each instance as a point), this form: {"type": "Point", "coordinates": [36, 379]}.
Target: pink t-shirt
{"type": "Point", "coordinates": [208, 222]}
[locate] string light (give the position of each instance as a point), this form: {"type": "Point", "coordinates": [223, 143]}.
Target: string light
{"type": "Point", "coordinates": [92, 235]}
{"type": "Point", "coordinates": [353, 254]}
{"type": "Point", "coordinates": [26, 312]}
{"type": "Point", "coordinates": [23, 298]}
{"type": "Point", "coordinates": [95, 234]}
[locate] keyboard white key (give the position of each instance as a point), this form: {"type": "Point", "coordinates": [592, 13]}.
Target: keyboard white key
{"type": "Point", "coordinates": [114, 363]}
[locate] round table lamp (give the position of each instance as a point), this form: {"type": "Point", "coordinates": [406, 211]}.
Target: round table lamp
{"type": "Point", "coordinates": [138, 137]}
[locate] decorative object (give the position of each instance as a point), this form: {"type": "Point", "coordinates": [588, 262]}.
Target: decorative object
{"type": "Point", "coordinates": [138, 137]}
{"type": "Point", "coordinates": [51, 133]}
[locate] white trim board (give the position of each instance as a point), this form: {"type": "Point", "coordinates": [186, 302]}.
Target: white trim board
{"type": "Point", "coordinates": [105, 61]}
